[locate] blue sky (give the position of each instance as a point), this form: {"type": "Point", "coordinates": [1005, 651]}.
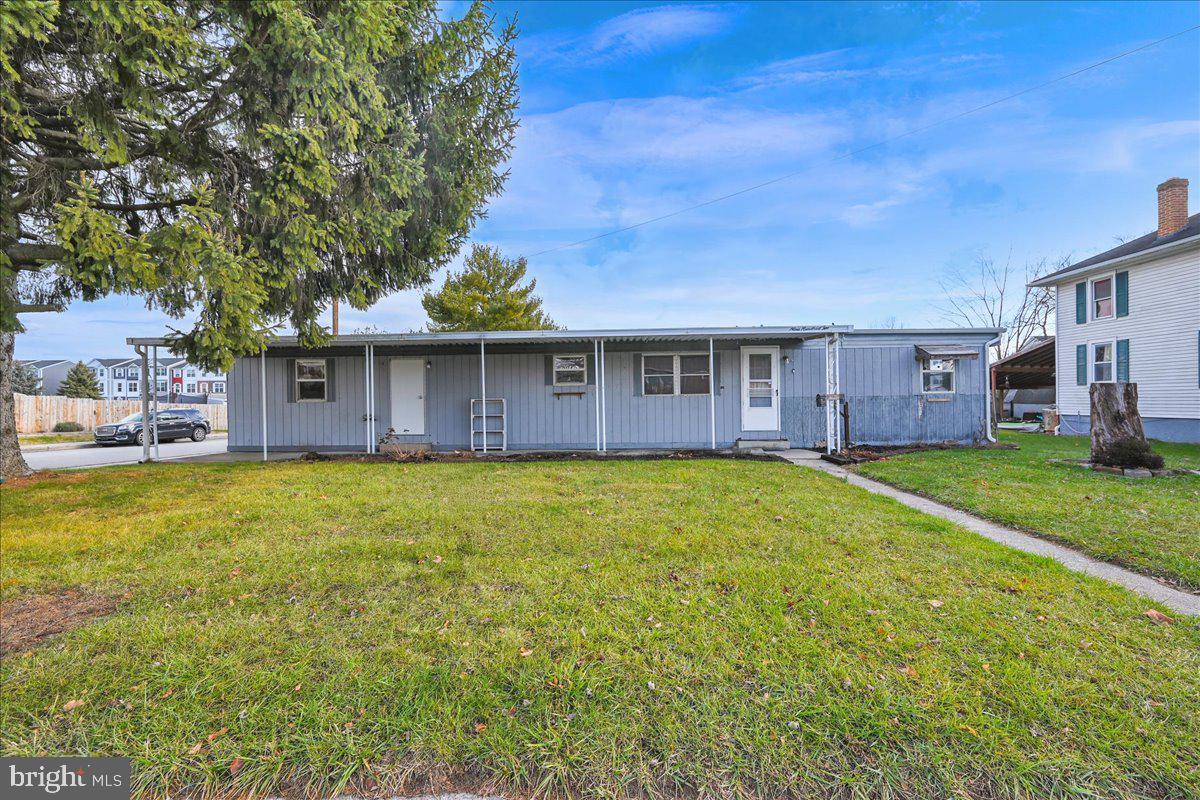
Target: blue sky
{"type": "Point", "coordinates": [633, 110]}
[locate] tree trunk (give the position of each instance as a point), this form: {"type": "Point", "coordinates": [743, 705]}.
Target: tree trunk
{"type": "Point", "coordinates": [1118, 439]}
{"type": "Point", "coordinates": [12, 463]}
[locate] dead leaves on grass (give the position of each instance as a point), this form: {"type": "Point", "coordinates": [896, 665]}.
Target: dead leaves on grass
{"type": "Point", "coordinates": [1158, 618]}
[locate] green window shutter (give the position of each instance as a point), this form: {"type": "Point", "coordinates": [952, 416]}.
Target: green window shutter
{"type": "Point", "coordinates": [1081, 365]}
{"type": "Point", "coordinates": [1081, 303]}
{"type": "Point", "coordinates": [1122, 360]}
{"type": "Point", "coordinates": [1123, 294]}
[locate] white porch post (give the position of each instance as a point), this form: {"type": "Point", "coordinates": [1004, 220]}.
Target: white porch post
{"type": "Point", "coordinates": [262, 360]}
{"type": "Point", "coordinates": [483, 393]}
{"type": "Point", "coordinates": [154, 404]}
{"type": "Point", "coordinates": [712, 395]}
{"type": "Point", "coordinates": [603, 402]}
{"type": "Point", "coordinates": [141, 350]}
{"type": "Point", "coordinates": [829, 421]}
{"type": "Point", "coordinates": [367, 396]}
{"type": "Point", "coordinates": [596, 370]}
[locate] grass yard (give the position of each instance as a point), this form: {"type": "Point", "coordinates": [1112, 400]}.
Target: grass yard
{"type": "Point", "coordinates": [1150, 525]}
{"type": "Point", "coordinates": [651, 629]}
{"type": "Point", "coordinates": [56, 438]}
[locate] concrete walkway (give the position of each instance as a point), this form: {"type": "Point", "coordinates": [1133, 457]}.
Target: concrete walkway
{"type": "Point", "coordinates": [1174, 599]}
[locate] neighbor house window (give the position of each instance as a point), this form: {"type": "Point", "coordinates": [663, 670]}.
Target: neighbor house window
{"type": "Point", "coordinates": [1103, 355]}
{"type": "Point", "coordinates": [570, 370]}
{"type": "Point", "coordinates": [100, 372]}
{"type": "Point", "coordinates": [310, 379]}
{"type": "Point", "coordinates": [218, 387]}
{"type": "Point", "coordinates": [937, 375]}
{"type": "Point", "coordinates": [675, 374]}
{"type": "Point", "coordinates": [191, 389]}
{"type": "Point", "coordinates": [133, 386]}
{"type": "Point", "coordinates": [162, 386]}
{"type": "Point", "coordinates": [1102, 298]}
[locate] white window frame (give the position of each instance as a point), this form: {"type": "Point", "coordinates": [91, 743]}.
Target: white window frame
{"type": "Point", "coordinates": [554, 370]}
{"type": "Point", "coordinates": [218, 387]}
{"type": "Point", "coordinates": [927, 368]}
{"type": "Point", "coordinates": [191, 388]}
{"type": "Point", "coordinates": [1112, 344]}
{"type": "Point", "coordinates": [132, 386]}
{"type": "Point", "coordinates": [1111, 277]}
{"type": "Point", "coordinates": [677, 375]}
{"type": "Point", "coordinates": [297, 380]}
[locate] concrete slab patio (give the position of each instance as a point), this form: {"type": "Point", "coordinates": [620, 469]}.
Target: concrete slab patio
{"type": "Point", "coordinates": [1147, 587]}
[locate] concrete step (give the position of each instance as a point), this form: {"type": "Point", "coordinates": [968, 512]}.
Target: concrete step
{"type": "Point", "coordinates": [762, 444]}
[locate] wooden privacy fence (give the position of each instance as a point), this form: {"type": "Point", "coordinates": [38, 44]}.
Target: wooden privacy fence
{"type": "Point", "coordinates": [40, 413]}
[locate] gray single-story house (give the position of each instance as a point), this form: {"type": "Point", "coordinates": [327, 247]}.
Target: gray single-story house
{"type": "Point", "coordinates": [667, 388]}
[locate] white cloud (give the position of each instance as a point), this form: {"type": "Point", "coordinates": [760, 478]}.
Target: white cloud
{"type": "Point", "coordinates": [632, 34]}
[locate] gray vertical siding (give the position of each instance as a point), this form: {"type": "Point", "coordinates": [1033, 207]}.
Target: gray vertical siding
{"type": "Point", "coordinates": [880, 376]}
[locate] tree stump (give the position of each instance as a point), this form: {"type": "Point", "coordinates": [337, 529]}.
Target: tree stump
{"type": "Point", "coordinates": [1118, 439]}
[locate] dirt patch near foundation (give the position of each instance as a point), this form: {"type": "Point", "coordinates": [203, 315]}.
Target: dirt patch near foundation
{"type": "Point", "coordinates": [26, 621]}
{"type": "Point", "coordinates": [452, 456]}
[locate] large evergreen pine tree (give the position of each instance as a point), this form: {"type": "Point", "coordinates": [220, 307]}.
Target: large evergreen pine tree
{"type": "Point", "coordinates": [80, 382]}
{"type": "Point", "coordinates": [487, 295]}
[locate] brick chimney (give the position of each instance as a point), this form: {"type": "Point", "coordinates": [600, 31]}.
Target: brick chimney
{"type": "Point", "coordinates": [1172, 205]}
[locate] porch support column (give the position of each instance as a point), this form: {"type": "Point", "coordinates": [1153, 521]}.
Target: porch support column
{"type": "Point", "coordinates": [483, 393]}
{"type": "Point", "coordinates": [712, 395]}
{"type": "Point", "coordinates": [596, 370]}
{"type": "Point", "coordinates": [837, 389]}
{"type": "Point", "coordinates": [603, 401]}
{"type": "Point", "coordinates": [829, 391]}
{"type": "Point", "coordinates": [367, 396]}
{"type": "Point", "coordinates": [141, 351]}
{"type": "Point", "coordinates": [262, 361]}
{"type": "Point", "coordinates": [154, 404]}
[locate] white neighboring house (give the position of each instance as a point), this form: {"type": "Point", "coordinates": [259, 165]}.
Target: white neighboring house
{"type": "Point", "coordinates": [50, 373]}
{"type": "Point", "coordinates": [1132, 314]}
{"type": "Point", "coordinates": [119, 378]}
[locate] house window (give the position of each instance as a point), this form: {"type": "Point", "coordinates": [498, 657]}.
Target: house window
{"type": "Point", "coordinates": [1103, 355]}
{"type": "Point", "coordinates": [937, 375]}
{"type": "Point", "coordinates": [120, 387]}
{"type": "Point", "coordinates": [1102, 298]}
{"type": "Point", "coordinates": [310, 379]}
{"type": "Point", "coordinates": [119, 373]}
{"type": "Point", "coordinates": [133, 387]}
{"type": "Point", "coordinates": [570, 370]}
{"type": "Point", "coordinates": [191, 373]}
{"type": "Point", "coordinates": [218, 388]}
{"type": "Point", "coordinates": [191, 388]}
{"type": "Point", "coordinates": [162, 386]}
{"type": "Point", "coordinates": [674, 374]}
{"type": "Point", "coordinates": [100, 372]}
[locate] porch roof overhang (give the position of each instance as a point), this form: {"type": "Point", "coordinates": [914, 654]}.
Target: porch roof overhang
{"type": "Point", "coordinates": [555, 336]}
{"type": "Point", "coordinates": [945, 351]}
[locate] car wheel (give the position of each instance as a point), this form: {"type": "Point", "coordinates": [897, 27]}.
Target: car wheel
{"type": "Point", "coordinates": [199, 434]}
{"type": "Point", "coordinates": [140, 439]}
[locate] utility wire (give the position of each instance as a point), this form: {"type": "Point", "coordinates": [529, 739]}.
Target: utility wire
{"type": "Point", "coordinates": [865, 148]}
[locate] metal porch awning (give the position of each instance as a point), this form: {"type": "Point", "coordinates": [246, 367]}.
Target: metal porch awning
{"type": "Point", "coordinates": [946, 352]}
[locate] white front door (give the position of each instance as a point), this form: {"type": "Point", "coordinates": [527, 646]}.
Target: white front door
{"type": "Point", "coordinates": [408, 395]}
{"type": "Point", "coordinates": [760, 388]}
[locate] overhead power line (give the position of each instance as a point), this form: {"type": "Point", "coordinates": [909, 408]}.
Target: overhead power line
{"type": "Point", "coordinates": [865, 148]}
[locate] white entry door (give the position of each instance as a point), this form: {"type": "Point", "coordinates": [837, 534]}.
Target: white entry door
{"type": "Point", "coordinates": [760, 388]}
{"type": "Point", "coordinates": [408, 395]}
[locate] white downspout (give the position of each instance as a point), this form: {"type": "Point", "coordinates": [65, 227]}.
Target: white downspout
{"type": "Point", "coordinates": [987, 375]}
{"type": "Point", "coordinates": [374, 410]}
{"type": "Point", "coordinates": [263, 398]}
{"type": "Point", "coordinates": [483, 393]}
{"type": "Point", "coordinates": [596, 369]}
{"type": "Point", "coordinates": [837, 389]}
{"type": "Point", "coordinates": [367, 394]}
{"type": "Point", "coordinates": [712, 396]}
{"type": "Point", "coordinates": [828, 399]}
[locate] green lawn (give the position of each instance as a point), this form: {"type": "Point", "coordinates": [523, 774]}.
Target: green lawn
{"type": "Point", "coordinates": [56, 438]}
{"type": "Point", "coordinates": [1151, 525]}
{"type": "Point", "coordinates": [658, 629]}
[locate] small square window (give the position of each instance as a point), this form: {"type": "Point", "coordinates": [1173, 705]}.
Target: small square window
{"type": "Point", "coordinates": [570, 370]}
{"type": "Point", "coordinates": [937, 376]}
{"type": "Point", "coordinates": [310, 379]}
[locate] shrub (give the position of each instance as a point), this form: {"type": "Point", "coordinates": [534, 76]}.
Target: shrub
{"type": "Point", "coordinates": [68, 427]}
{"type": "Point", "coordinates": [1128, 452]}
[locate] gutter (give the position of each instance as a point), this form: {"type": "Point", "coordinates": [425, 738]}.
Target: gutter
{"type": "Point", "coordinates": [1057, 278]}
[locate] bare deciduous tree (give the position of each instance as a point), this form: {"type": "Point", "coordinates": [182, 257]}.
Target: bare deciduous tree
{"type": "Point", "coordinates": [991, 295]}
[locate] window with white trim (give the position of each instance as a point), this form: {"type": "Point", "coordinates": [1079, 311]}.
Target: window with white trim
{"type": "Point", "coordinates": [133, 386]}
{"type": "Point", "coordinates": [310, 379]}
{"type": "Point", "coordinates": [1102, 298]}
{"type": "Point", "coordinates": [1104, 356]}
{"type": "Point", "coordinates": [570, 370]}
{"type": "Point", "coordinates": [162, 386]}
{"type": "Point", "coordinates": [675, 374]}
{"type": "Point", "coordinates": [218, 387]}
{"type": "Point", "coordinates": [191, 389]}
{"type": "Point", "coordinates": [937, 375]}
